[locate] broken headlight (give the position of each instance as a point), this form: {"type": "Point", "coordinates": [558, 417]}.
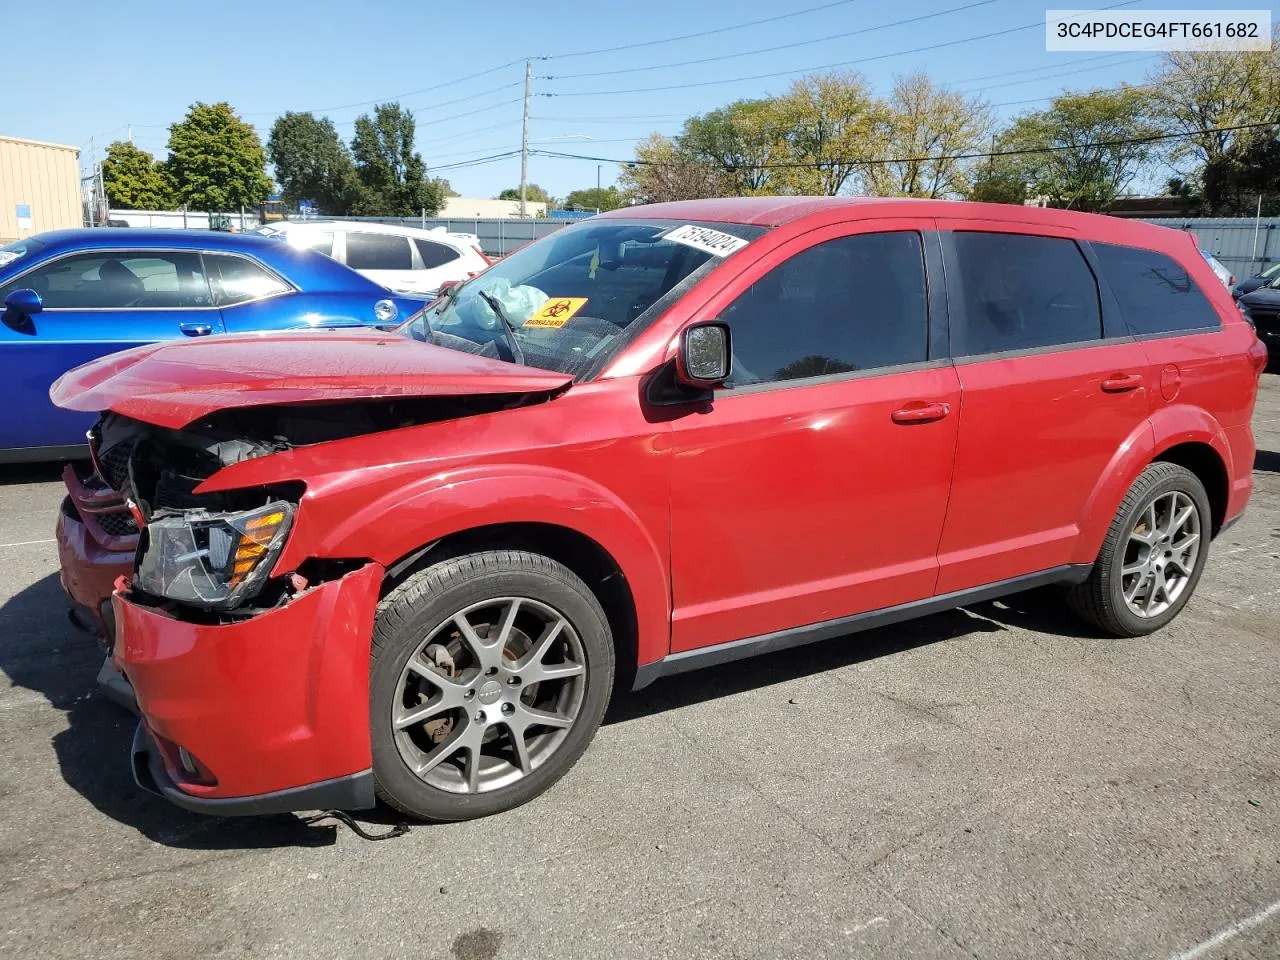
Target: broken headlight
{"type": "Point", "coordinates": [215, 561]}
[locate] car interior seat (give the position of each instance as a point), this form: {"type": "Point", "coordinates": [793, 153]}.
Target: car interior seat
{"type": "Point", "coordinates": [123, 285]}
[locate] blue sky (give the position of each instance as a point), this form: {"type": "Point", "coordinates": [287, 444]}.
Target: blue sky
{"type": "Point", "coordinates": [146, 62]}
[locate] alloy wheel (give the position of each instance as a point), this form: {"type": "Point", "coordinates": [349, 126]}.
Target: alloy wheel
{"type": "Point", "coordinates": [1161, 554]}
{"type": "Point", "coordinates": [489, 695]}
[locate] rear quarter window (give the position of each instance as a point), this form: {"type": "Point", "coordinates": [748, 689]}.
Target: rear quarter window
{"type": "Point", "coordinates": [435, 254]}
{"type": "Point", "coordinates": [1023, 292]}
{"type": "Point", "coordinates": [1155, 292]}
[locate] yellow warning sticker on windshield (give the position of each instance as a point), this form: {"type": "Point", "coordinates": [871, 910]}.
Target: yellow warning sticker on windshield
{"type": "Point", "coordinates": [556, 312]}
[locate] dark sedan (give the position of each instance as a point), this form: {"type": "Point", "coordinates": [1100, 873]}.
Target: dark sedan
{"type": "Point", "coordinates": [1262, 306]}
{"type": "Point", "coordinates": [1267, 276]}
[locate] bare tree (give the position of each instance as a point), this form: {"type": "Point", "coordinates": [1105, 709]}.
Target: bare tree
{"type": "Point", "coordinates": [929, 129]}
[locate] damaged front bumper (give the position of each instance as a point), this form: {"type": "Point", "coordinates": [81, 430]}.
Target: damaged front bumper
{"type": "Point", "coordinates": [256, 714]}
{"type": "Point", "coordinates": [96, 540]}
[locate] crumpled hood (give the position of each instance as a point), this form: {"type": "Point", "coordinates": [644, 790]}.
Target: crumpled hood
{"type": "Point", "coordinates": [174, 383]}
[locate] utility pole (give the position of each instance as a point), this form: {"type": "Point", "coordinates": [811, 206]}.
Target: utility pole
{"type": "Point", "coordinates": [93, 189]}
{"type": "Point", "coordinates": [524, 139]}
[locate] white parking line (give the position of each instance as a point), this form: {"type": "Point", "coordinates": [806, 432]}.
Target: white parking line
{"type": "Point", "coordinates": [26, 543]}
{"type": "Point", "coordinates": [1237, 928]}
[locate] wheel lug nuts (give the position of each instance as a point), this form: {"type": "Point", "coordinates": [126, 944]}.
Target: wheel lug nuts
{"type": "Point", "coordinates": [491, 672]}
{"type": "Point", "coordinates": [469, 695]}
{"type": "Point", "coordinates": [480, 716]}
{"type": "Point", "coordinates": [514, 681]}
{"type": "Point", "coordinates": [508, 709]}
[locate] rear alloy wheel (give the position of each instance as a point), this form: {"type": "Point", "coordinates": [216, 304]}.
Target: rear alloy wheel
{"type": "Point", "coordinates": [490, 675]}
{"type": "Point", "coordinates": [1153, 555]}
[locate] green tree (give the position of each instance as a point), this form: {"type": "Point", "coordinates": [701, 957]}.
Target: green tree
{"type": "Point", "coordinates": [664, 171]}
{"type": "Point", "coordinates": [216, 160]}
{"type": "Point", "coordinates": [1193, 91]}
{"type": "Point", "coordinates": [1244, 172]}
{"type": "Point", "coordinates": [392, 174]}
{"type": "Point", "coordinates": [929, 128]}
{"type": "Point", "coordinates": [312, 163]}
{"type": "Point", "coordinates": [532, 193]}
{"type": "Point", "coordinates": [831, 123]}
{"type": "Point", "coordinates": [134, 180]}
{"type": "Point", "coordinates": [1082, 153]}
{"type": "Point", "coordinates": [445, 187]}
{"type": "Point", "coordinates": [743, 139]}
{"type": "Point", "coordinates": [595, 198]}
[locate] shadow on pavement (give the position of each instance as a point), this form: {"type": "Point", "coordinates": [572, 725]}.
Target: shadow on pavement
{"type": "Point", "coordinates": [16, 473]}
{"type": "Point", "coordinates": [1268, 461]}
{"type": "Point", "coordinates": [41, 651]}
{"type": "Point", "coordinates": [1041, 610]}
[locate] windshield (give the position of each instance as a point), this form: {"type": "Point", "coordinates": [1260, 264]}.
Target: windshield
{"type": "Point", "coordinates": [17, 250]}
{"type": "Point", "coordinates": [571, 300]}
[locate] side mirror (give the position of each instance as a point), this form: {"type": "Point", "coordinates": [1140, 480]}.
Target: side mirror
{"type": "Point", "coordinates": [23, 302]}
{"type": "Point", "coordinates": [705, 358]}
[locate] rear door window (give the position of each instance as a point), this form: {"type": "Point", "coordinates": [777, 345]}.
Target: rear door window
{"type": "Point", "coordinates": [849, 304]}
{"type": "Point", "coordinates": [1156, 294]}
{"type": "Point", "coordinates": [378, 251]}
{"type": "Point", "coordinates": [1022, 292]}
{"type": "Point", "coordinates": [237, 280]}
{"type": "Point", "coordinates": [435, 254]}
{"type": "Point", "coordinates": [321, 241]}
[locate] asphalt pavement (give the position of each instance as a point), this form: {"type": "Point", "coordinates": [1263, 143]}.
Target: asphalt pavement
{"type": "Point", "coordinates": [994, 782]}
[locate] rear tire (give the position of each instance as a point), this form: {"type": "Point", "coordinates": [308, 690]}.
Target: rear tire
{"type": "Point", "coordinates": [1153, 555]}
{"type": "Point", "coordinates": [490, 674]}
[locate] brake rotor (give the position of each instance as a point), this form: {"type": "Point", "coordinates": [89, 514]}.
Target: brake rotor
{"type": "Point", "coordinates": [445, 658]}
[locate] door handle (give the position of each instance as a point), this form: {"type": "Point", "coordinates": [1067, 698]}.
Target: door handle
{"type": "Point", "coordinates": [1122, 383]}
{"type": "Point", "coordinates": [920, 412]}
{"type": "Point", "coordinates": [196, 329]}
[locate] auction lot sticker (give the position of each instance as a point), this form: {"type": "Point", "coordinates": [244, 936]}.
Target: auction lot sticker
{"type": "Point", "coordinates": [556, 312]}
{"type": "Point", "coordinates": [710, 241]}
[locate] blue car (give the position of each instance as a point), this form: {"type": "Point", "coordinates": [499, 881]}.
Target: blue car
{"type": "Point", "coordinates": [71, 296]}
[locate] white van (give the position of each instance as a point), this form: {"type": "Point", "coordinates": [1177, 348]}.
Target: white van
{"type": "Point", "coordinates": [400, 258]}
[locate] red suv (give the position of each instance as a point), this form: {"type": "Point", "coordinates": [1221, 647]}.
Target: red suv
{"type": "Point", "coordinates": [415, 564]}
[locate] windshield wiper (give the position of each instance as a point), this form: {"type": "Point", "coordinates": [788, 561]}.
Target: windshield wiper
{"type": "Point", "coordinates": [517, 353]}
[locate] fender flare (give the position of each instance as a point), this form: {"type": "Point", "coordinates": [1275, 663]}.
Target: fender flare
{"type": "Point", "coordinates": [432, 508]}
{"type": "Point", "coordinates": [1166, 428]}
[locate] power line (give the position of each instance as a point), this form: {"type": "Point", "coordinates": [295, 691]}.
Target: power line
{"type": "Point", "coordinates": [827, 66]}
{"type": "Point", "coordinates": [642, 116]}
{"type": "Point", "coordinates": [439, 120]}
{"type": "Point", "coordinates": [702, 33]}
{"type": "Point", "coordinates": [879, 161]}
{"type": "Point", "coordinates": [479, 161]}
{"type": "Point", "coordinates": [1009, 73]}
{"type": "Point", "coordinates": [397, 96]}
{"type": "Point", "coordinates": [775, 47]}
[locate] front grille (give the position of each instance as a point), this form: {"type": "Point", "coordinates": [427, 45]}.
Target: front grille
{"type": "Point", "coordinates": [115, 464]}
{"type": "Point", "coordinates": [118, 523]}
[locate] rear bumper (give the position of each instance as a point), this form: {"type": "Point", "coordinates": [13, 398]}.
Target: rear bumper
{"type": "Point", "coordinates": [263, 714]}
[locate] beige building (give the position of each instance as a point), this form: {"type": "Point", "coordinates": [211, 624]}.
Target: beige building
{"type": "Point", "coordinates": [465, 207]}
{"type": "Point", "coordinates": [39, 188]}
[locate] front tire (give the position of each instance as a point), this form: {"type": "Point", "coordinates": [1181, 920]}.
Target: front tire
{"type": "Point", "coordinates": [1152, 557]}
{"type": "Point", "coordinates": [490, 674]}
